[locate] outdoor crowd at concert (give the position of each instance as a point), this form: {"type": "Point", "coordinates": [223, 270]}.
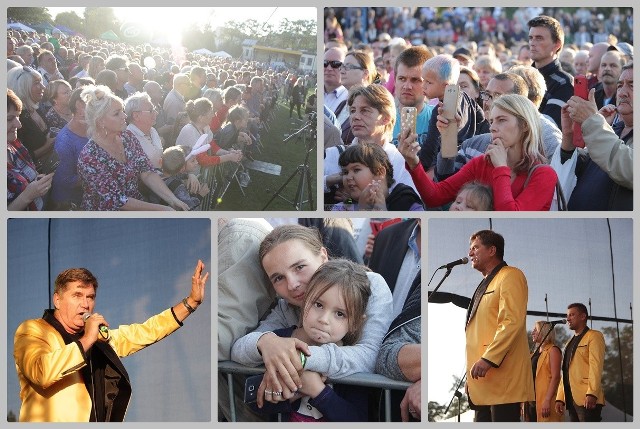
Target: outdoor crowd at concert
{"type": "Point", "coordinates": [544, 116]}
{"type": "Point", "coordinates": [104, 125]}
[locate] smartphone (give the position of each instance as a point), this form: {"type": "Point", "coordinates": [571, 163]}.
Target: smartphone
{"type": "Point", "coordinates": [580, 89]}
{"type": "Point", "coordinates": [449, 138]}
{"type": "Point", "coordinates": [251, 385]}
{"type": "Point", "coordinates": [408, 118]}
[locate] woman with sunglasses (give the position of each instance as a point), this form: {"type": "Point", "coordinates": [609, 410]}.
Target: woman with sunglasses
{"type": "Point", "coordinates": [26, 83]}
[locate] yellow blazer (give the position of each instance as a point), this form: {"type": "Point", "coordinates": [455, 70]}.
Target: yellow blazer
{"type": "Point", "coordinates": [542, 382]}
{"type": "Point", "coordinates": [585, 369]}
{"type": "Point", "coordinates": [497, 332]}
{"type": "Point", "coordinates": [51, 386]}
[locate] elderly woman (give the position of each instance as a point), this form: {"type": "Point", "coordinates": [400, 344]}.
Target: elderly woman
{"type": "Point", "coordinates": [112, 162]}
{"type": "Point", "coordinates": [512, 165]}
{"type": "Point", "coordinates": [25, 187]}
{"type": "Point", "coordinates": [372, 114]}
{"type": "Point", "coordinates": [26, 83]}
{"type": "Point", "coordinates": [58, 93]}
{"type": "Point", "coordinates": [142, 117]}
{"type": "Point", "coordinates": [357, 69]}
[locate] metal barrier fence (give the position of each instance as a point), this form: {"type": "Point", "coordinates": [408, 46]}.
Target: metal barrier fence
{"type": "Point", "coordinates": [359, 379]}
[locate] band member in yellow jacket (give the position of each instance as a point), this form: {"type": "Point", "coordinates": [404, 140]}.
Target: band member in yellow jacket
{"type": "Point", "coordinates": [68, 361]}
{"type": "Point", "coordinates": [580, 391]}
{"type": "Point", "coordinates": [498, 365]}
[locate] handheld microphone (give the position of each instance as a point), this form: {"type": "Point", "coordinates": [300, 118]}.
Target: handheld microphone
{"type": "Point", "coordinates": [103, 330]}
{"type": "Point", "coordinates": [450, 265]}
{"type": "Point", "coordinates": [557, 322]}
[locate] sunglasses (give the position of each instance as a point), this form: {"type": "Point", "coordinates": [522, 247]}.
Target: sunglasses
{"type": "Point", "coordinates": [334, 64]}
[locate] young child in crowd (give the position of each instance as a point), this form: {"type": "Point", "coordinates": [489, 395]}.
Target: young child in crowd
{"type": "Point", "coordinates": [473, 196]}
{"type": "Point", "coordinates": [367, 175]}
{"type": "Point", "coordinates": [177, 163]}
{"type": "Point", "coordinates": [333, 312]}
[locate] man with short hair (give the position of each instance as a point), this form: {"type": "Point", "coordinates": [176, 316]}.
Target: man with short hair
{"type": "Point", "coordinates": [154, 90]}
{"type": "Point", "coordinates": [595, 55]}
{"type": "Point", "coordinates": [198, 76]}
{"type": "Point", "coordinates": [580, 62]}
{"type": "Point", "coordinates": [608, 74]}
{"type": "Point", "coordinates": [335, 94]}
{"type": "Point", "coordinates": [580, 391]}
{"type": "Point", "coordinates": [135, 83]}
{"type": "Point", "coordinates": [498, 365]}
{"type": "Point", "coordinates": [546, 38]}
{"type": "Point", "coordinates": [174, 102]}
{"type": "Point", "coordinates": [68, 361]}
{"type": "Point", "coordinates": [119, 64]}
{"type": "Point", "coordinates": [26, 53]}
{"type": "Point", "coordinates": [408, 87]}
{"type": "Point", "coordinates": [48, 67]}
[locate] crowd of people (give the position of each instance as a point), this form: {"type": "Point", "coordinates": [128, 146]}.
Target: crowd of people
{"type": "Point", "coordinates": [317, 312]}
{"type": "Point", "coordinates": [100, 125]}
{"type": "Point", "coordinates": [526, 138]}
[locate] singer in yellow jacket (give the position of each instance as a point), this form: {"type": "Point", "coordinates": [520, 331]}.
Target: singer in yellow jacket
{"type": "Point", "coordinates": [65, 373]}
{"type": "Point", "coordinates": [497, 348]}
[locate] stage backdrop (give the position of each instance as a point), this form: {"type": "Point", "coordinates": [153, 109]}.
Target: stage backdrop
{"type": "Point", "coordinates": [143, 267]}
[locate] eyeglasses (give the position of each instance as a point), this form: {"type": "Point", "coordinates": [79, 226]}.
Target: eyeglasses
{"type": "Point", "coordinates": [125, 68]}
{"type": "Point", "coordinates": [486, 96]}
{"type": "Point", "coordinates": [350, 67]}
{"type": "Point", "coordinates": [154, 110]}
{"type": "Point", "coordinates": [334, 64]}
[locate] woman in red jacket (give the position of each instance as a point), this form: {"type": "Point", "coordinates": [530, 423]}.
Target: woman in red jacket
{"type": "Point", "coordinates": [509, 166]}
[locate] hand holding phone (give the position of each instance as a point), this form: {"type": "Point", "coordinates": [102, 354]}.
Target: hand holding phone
{"type": "Point", "coordinates": [408, 118]}
{"type": "Point", "coordinates": [449, 135]}
{"type": "Point", "coordinates": [580, 89]}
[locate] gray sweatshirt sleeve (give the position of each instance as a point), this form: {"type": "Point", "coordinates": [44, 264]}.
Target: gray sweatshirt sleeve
{"type": "Point", "coordinates": [335, 361]}
{"type": "Point", "coordinates": [245, 349]}
{"type": "Point", "coordinates": [387, 362]}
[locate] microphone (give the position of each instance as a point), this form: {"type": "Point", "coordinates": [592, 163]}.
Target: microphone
{"type": "Point", "coordinates": [103, 330]}
{"type": "Point", "coordinates": [557, 322]}
{"type": "Point", "coordinates": [450, 265]}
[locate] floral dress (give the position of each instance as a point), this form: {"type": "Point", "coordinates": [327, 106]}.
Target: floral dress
{"type": "Point", "coordinates": [20, 172]}
{"type": "Point", "coordinates": [106, 182]}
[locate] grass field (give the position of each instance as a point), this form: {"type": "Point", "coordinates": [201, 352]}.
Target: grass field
{"type": "Point", "coordinates": [289, 155]}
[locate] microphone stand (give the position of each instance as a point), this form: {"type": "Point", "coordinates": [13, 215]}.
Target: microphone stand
{"type": "Point", "coordinates": [457, 394]}
{"type": "Point", "coordinates": [440, 284]}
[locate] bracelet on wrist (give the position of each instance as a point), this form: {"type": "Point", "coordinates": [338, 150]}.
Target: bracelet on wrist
{"type": "Point", "coordinates": [189, 308]}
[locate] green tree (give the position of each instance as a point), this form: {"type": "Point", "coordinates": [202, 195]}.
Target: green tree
{"type": "Point", "coordinates": [29, 15]}
{"type": "Point", "coordinates": [617, 375]}
{"type": "Point", "coordinates": [97, 20]}
{"type": "Point", "coordinates": [71, 20]}
{"type": "Point", "coordinates": [460, 404]}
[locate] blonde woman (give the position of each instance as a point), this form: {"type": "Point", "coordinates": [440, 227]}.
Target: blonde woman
{"type": "Point", "coordinates": [510, 165]}
{"type": "Point", "coordinates": [112, 162]}
{"type": "Point", "coordinates": [546, 362]}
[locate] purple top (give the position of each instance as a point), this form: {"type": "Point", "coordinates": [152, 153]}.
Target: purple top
{"type": "Point", "coordinates": [106, 182]}
{"type": "Point", "coordinates": [66, 182]}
